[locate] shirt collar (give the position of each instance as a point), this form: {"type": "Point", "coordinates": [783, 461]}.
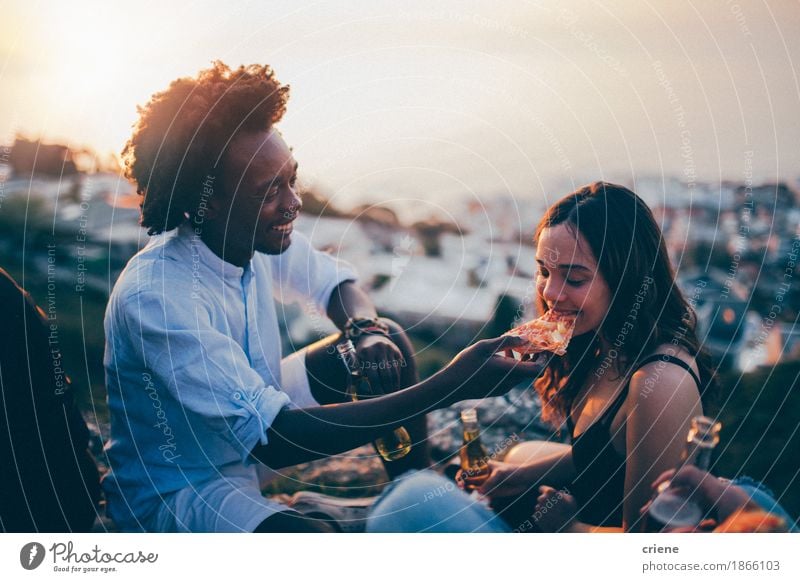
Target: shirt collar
{"type": "Point", "coordinates": [196, 247]}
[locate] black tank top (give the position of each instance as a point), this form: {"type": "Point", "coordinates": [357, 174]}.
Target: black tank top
{"type": "Point", "coordinates": [600, 482]}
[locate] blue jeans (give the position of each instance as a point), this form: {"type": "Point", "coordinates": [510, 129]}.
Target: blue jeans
{"type": "Point", "coordinates": [424, 501]}
{"type": "Point", "coordinates": [765, 499]}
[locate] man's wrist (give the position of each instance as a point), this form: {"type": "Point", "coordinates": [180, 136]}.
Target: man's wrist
{"type": "Point", "coordinates": [358, 327]}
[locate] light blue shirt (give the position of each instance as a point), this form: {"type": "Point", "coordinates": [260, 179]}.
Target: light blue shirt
{"type": "Point", "coordinates": [192, 360]}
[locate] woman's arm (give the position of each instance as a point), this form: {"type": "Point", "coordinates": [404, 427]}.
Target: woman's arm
{"type": "Point", "coordinates": [508, 480]}
{"type": "Point", "coordinates": [297, 436]}
{"type": "Point", "coordinates": [661, 405]}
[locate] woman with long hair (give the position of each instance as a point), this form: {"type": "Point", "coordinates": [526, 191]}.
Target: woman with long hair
{"type": "Point", "coordinates": [629, 384]}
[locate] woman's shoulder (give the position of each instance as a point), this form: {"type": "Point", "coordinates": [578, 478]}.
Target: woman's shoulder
{"type": "Point", "coordinates": [664, 357]}
{"type": "Point", "coordinates": [662, 377]}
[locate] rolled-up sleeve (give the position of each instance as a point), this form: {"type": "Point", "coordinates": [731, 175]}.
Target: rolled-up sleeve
{"type": "Point", "coordinates": [206, 372]}
{"type": "Point", "coordinates": [303, 273]}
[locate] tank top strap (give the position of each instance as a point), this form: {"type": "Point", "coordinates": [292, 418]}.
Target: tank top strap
{"type": "Point", "coordinates": [570, 424]}
{"type": "Point", "coordinates": [611, 411]}
{"type": "Point", "coordinates": [671, 360]}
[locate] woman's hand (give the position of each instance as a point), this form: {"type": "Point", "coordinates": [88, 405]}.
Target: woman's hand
{"type": "Point", "coordinates": [505, 480]}
{"type": "Point", "coordinates": [479, 371]}
{"type": "Point", "coordinates": [556, 510]}
{"type": "Point", "coordinates": [706, 489]}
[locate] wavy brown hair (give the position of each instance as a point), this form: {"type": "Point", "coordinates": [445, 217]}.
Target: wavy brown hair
{"type": "Point", "coordinates": [632, 258]}
{"type": "Point", "coordinates": [183, 133]}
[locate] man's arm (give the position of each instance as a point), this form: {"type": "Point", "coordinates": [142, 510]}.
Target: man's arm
{"type": "Point", "coordinates": [349, 300]}
{"type": "Point", "coordinates": [381, 356]}
{"type": "Point", "coordinates": [298, 436]}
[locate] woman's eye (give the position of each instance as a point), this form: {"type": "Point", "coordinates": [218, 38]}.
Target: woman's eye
{"type": "Point", "coordinates": [575, 282]}
{"type": "Point", "coordinates": [293, 181]}
{"type": "Point", "coordinates": [543, 272]}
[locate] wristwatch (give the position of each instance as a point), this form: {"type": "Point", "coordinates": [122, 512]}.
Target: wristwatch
{"type": "Point", "coordinates": [358, 326]}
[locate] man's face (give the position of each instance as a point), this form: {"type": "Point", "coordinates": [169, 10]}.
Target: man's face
{"type": "Point", "coordinates": [259, 203]}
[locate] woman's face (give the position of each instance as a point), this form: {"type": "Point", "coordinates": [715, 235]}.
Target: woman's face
{"type": "Point", "coordinates": [569, 280]}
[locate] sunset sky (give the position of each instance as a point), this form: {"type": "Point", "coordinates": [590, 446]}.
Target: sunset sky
{"type": "Point", "coordinates": [417, 99]}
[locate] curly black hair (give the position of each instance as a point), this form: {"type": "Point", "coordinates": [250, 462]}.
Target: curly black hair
{"type": "Point", "coordinates": [182, 134]}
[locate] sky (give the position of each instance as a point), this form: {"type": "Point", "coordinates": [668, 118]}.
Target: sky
{"type": "Point", "coordinates": [419, 102]}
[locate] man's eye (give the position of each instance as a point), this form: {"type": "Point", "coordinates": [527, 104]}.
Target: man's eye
{"type": "Point", "coordinates": [293, 181]}
{"type": "Point", "coordinates": [271, 193]}
{"type": "Point", "coordinates": [543, 272]}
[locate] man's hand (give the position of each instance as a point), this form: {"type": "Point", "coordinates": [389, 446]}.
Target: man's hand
{"type": "Point", "coordinates": [380, 361]}
{"type": "Point", "coordinates": [480, 371]}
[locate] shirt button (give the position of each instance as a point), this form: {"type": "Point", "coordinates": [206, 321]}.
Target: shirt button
{"type": "Point", "coordinates": [237, 395]}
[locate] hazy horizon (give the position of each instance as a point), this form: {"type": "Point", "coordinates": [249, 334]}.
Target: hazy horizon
{"type": "Point", "coordinates": [411, 102]}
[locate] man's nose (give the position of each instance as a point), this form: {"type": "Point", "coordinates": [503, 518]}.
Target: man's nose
{"type": "Point", "coordinates": [292, 204]}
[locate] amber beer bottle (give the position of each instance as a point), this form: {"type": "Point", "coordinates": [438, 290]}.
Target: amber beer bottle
{"type": "Point", "coordinates": [672, 508]}
{"type": "Point", "coordinates": [394, 444]}
{"type": "Point", "coordinates": [474, 457]}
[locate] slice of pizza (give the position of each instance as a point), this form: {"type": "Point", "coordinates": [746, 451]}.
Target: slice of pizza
{"type": "Point", "coordinates": [549, 333]}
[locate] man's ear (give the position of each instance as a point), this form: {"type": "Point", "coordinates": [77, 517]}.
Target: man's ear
{"type": "Point", "coordinates": [213, 206]}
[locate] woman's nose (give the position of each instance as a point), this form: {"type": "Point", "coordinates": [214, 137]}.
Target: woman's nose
{"type": "Point", "coordinates": [553, 291]}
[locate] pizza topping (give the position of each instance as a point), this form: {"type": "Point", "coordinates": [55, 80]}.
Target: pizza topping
{"type": "Point", "coordinates": [549, 333]}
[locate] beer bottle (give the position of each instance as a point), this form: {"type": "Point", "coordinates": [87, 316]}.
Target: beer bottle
{"type": "Point", "coordinates": [474, 457]}
{"type": "Point", "coordinates": [394, 444]}
{"type": "Point", "coordinates": [672, 508]}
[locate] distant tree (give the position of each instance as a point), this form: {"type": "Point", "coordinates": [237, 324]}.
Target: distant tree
{"type": "Point", "coordinates": [315, 204]}
{"type": "Point", "coordinates": [34, 157]}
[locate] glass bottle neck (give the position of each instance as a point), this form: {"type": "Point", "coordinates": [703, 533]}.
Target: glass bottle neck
{"type": "Point", "coordinates": [700, 443]}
